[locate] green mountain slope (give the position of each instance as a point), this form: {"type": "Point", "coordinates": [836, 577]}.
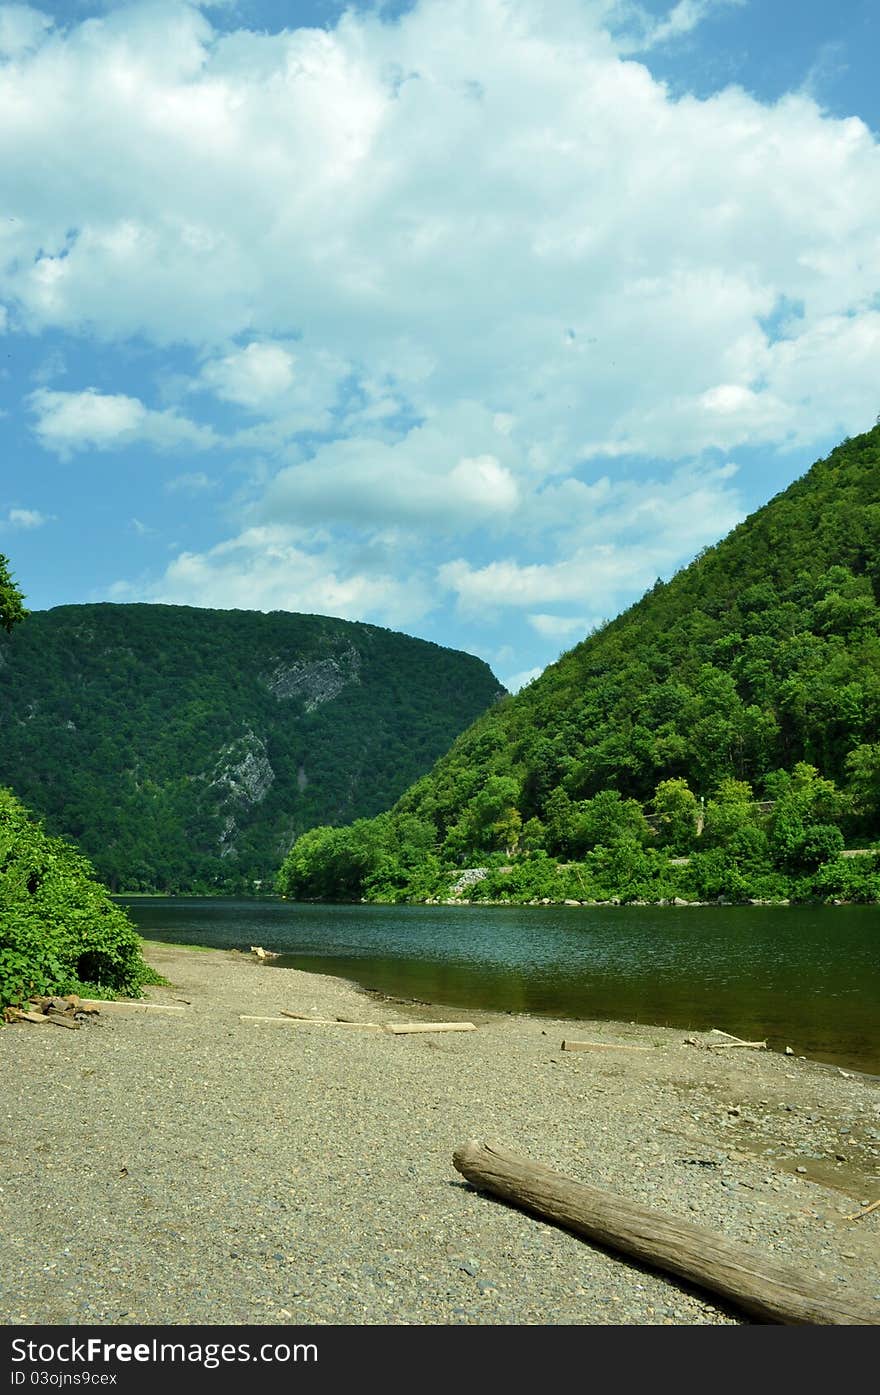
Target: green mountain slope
{"type": "Point", "coordinates": [185, 749]}
{"type": "Point", "coordinates": [754, 675]}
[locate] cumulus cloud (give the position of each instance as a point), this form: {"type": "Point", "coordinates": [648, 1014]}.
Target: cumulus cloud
{"type": "Point", "coordinates": [481, 201]}
{"type": "Point", "coordinates": [616, 551]}
{"type": "Point", "coordinates": [67, 422]}
{"type": "Point", "coordinates": [276, 568]}
{"type": "Point", "coordinates": [418, 481]}
{"type": "Point", "coordinates": [445, 282]}
{"type": "Point", "coordinates": [22, 28]}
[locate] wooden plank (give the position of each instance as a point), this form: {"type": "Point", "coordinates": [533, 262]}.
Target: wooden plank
{"type": "Point", "coordinates": [127, 1005]}
{"type": "Point", "coordinates": [60, 1020]}
{"type": "Point", "coordinates": [402, 1028]}
{"type": "Point", "coordinates": [756, 1283]}
{"type": "Point", "coordinates": [27, 1015]}
{"type": "Point", "coordinates": [602, 1046]}
{"type": "Point", "coordinates": [309, 1022]}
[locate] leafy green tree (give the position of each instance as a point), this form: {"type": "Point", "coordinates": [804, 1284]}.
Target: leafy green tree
{"type": "Point", "coordinates": [675, 810]}
{"type": "Point", "coordinates": [11, 599]}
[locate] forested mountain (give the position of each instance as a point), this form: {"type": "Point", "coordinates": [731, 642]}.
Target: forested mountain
{"type": "Point", "coordinates": [731, 716]}
{"type": "Point", "coordinates": [185, 749]}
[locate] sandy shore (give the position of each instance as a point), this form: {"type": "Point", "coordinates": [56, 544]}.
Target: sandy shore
{"type": "Point", "coordinates": [189, 1167]}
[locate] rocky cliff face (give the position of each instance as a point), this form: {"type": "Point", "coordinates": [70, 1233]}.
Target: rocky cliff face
{"type": "Point", "coordinates": [243, 774]}
{"type": "Point", "coordinates": [316, 681]}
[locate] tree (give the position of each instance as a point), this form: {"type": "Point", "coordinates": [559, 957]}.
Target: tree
{"type": "Point", "coordinates": [675, 809]}
{"type": "Point", "coordinates": [11, 599]}
{"type": "Point", "coordinates": [863, 768]}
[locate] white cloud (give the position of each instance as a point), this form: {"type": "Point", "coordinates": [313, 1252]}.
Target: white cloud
{"type": "Point", "coordinates": [67, 422]}
{"type": "Point", "coordinates": [519, 680]}
{"type": "Point", "coordinates": [682, 19]}
{"type": "Point", "coordinates": [641, 530]}
{"type": "Point", "coordinates": [473, 201]}
{"type": "Point", "coordinates": [415, 482]}
{"type": "Point", "coordinates": [276, 568]}
{"type": "Point", "coordinates": [26, 518]}
{"type": "Point", "coordinates": [428, 272]}
{"type": "Point", "coordinates": [22, 28]}
{"type": "Point", "coordinates": [252, 377]}
{"type": "Point", "coordinates": [559, 626]}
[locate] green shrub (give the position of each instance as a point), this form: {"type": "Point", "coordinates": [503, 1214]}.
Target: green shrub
{"type": "Point", "coordinates": [59, 930]}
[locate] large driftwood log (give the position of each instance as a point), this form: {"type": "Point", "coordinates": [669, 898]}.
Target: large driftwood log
{"type": "Point", "coordinates": [761, 1286]}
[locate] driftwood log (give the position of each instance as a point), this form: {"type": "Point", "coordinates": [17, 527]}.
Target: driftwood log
{"type": "Point", "coordinates": [761, 1286]}
{"type": "Point", "coordinates": [399, 1029]}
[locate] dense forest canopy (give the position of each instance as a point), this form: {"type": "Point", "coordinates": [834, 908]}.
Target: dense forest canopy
{"type": "Point", "coordinates": [729, 720]}
{"type": "Point", "coordinates": [184, 749]}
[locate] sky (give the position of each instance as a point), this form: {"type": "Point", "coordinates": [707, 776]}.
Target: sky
{"type": "Point", "coordinates": [469, 318]}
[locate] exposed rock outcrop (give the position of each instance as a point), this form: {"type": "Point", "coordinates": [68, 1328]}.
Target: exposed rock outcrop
{"type": "Point", "coordinates": [315, 681]}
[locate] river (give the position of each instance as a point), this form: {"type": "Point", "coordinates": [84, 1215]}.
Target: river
{"type": "Point", "coordinates": [804, 977]}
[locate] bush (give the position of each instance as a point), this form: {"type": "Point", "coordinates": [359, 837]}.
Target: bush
{"type": "Point", "coordinates": [845, 879]}
{"type": "Point", "coordinates": [59, 930]}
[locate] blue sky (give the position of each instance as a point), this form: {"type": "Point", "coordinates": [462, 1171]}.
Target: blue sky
{"type": "Point", "coordinates": [469, 319]}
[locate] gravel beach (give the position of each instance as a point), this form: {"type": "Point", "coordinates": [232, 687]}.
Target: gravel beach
{"type": "Point", "coordinates": [192, 1168]}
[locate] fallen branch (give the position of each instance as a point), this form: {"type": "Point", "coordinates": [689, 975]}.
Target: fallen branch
{"type": "Point", "coordinates": [126, 1005]}
{"type": "Point", "coordinates": [289, 1021]}
{"type": "Point", "coordinates": [865, 1211]}
{"type": "Point", "coordinates": [400, 1028]}
{"type": "Point", "coordinates": [602, 1046]}
{"type": "Point", "coordinates": [759, 1285]}
{"type": "Point", "coordinates": [730, 1040]}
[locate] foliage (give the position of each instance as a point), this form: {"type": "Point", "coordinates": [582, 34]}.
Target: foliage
{"type": "Point", "coordinates": [59, 930]}
{"type": "Point", "coordinates": [11, 599]}
{"type": "Point", "coordinates": [730, 718]}
{"type": "Point", "coordinates": [186, 749]}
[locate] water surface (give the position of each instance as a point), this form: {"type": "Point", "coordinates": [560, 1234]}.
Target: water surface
{"type": "Point", "coordinates": [805, 977]}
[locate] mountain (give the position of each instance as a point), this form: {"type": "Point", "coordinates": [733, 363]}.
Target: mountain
{"type": "Point", "coordinates": [730, 718]}
{"type": "Point", "coordinates": [185, 749]}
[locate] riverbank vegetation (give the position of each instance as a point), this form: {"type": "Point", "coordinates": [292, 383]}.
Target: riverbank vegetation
{"type": "Point", "coordinates": [719, 740]}
{"type": "Point", "coordinates": [59, 930]}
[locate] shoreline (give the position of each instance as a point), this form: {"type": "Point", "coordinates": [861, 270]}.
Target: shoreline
{"type": "Point", "coordinates": [229, 1171]}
